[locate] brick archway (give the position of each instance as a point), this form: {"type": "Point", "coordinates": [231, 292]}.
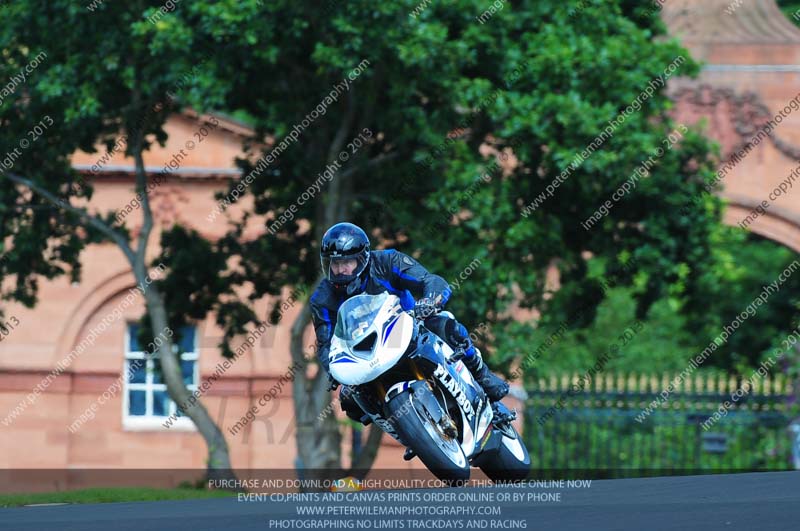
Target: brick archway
{"type": "Point", "coordinates": [777, 226]}
{"type": "Point", "coordinates": [748, 82]}
{"type": "Point", "coordinates": [105, 290]}
{"type": "Point", "coordinates": [733, 119]}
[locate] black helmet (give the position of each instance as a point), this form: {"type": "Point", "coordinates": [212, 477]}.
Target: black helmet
{"type": "Point", "coordinates": [345, 241]}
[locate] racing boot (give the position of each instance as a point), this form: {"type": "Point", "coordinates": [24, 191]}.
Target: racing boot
{"type": "Point", "coordinates": [494, 386]}
{"type": "Point", "coordinates": [458, 338]}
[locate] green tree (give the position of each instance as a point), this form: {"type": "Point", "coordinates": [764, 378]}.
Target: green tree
{"type": "Point", "coordinates": [790, 8]}
{"type": "Point", "coordinates": [582, 72]}
{"type": "Point", "coordinates": [438, 89]}
{"type": "Point", "coordinates": [112, 72]}
{"type": "Point", "coordinates": [744, 264]}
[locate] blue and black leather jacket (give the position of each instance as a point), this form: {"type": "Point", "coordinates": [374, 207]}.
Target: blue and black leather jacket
{"type": "Point", "coordinates": [388, 270]}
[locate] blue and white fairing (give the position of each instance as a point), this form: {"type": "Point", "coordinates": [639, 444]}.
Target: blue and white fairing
{"type": "Point", "coordinates": [372, 333]}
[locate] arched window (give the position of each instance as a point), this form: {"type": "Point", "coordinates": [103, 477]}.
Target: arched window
{"type": "Point", "coordinates": [146, 403]}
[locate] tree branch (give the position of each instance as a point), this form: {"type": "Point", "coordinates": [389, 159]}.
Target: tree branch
{"type": "Point", "coordinates": [380, 159]}
{"type": "Point", "coordinates": [147, 213]}
{"type": "Point", "coordinates": [341, 134]}
{"type": "Point", "coordinates": [141, 183]}
{"type": "Point", "coordinates": [82, 213]}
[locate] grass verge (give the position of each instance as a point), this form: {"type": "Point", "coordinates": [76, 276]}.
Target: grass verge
{"type": "Point", "coordinates": [109, 495]}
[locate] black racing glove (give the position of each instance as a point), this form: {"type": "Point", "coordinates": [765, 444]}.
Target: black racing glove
{"type": "Point", "coordinates": [425, 307]}
{"type": "Point", "coordinates": [332, 383]}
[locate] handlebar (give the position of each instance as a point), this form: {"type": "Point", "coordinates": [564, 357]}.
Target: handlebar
{"type": "Point", "coordinates": [413, 313]}
{"type": "Point", "coordinates": [417, 318]}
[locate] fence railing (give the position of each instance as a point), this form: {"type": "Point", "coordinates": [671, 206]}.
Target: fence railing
{"type": "Point", "coordinates": [609, 427]}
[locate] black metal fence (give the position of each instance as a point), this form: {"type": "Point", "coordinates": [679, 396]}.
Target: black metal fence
{"type": "Point", "coordinates": [627, 425]}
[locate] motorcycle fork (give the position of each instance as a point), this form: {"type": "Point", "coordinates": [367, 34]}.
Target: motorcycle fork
{"type": "Point", "coordinates": [382, 390]}
{"type": "Point", "coordinates": [416, 370]}
{"type": "Point", "coordinates": [445, 422]}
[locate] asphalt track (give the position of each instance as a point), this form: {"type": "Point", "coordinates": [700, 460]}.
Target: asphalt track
{"type": "Point", "coordinates": [754, 501]}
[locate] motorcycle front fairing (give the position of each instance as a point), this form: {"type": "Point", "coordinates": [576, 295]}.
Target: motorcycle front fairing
{"type": "Point", "coordinates": [372, 333]}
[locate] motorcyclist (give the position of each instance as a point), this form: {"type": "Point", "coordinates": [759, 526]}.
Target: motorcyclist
{"type": "Point", "coordinates": [350, 268]}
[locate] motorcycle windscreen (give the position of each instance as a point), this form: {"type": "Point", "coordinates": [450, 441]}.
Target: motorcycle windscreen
{"type": "Point", "coordinates": [355, 320]}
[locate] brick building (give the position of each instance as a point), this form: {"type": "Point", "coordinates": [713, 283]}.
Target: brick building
{"type": "Point", "coordinates": [105, 410]}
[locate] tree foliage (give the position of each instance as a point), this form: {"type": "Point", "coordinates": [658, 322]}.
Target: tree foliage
{"type": "Point", "coordinates": [441, 92]}
{"type": "Point", "coordinates": [443, 126]}
{"type": "Point", "coordinates": [115, 73]}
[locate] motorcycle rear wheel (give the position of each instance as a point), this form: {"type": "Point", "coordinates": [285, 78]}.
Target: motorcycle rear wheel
{"type": "Point", "coordinates": [511, 462]}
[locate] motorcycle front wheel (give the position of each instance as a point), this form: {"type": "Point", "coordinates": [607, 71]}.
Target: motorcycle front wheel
{"type": "Point", "coordinates": [441, 453]}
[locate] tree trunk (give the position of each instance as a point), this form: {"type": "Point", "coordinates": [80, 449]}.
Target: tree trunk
{"type": "Point", "coordinates": [790, 367]}
{"type": "Point", "coordinates": [318, 439]}
{"type": "Point", "coordinates": [218, 464]}
{"type": "Point", "coordinates": [362, 463]}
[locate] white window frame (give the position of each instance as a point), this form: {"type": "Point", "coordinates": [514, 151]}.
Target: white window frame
{"type": "Point", "coordinates": [148, 421]}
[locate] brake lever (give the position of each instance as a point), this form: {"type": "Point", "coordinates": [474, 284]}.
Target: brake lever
{"type": "Point", "coordinates": [414, 316]}
{"type": "Point", "coordinates": [422, 319]}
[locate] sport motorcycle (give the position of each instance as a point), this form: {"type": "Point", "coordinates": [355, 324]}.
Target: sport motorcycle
{"type": "Point", "coordinates": [415, 387]}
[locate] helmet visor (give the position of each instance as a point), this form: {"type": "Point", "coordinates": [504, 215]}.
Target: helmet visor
{"type": "Point", "coordinates": [344, 269]}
